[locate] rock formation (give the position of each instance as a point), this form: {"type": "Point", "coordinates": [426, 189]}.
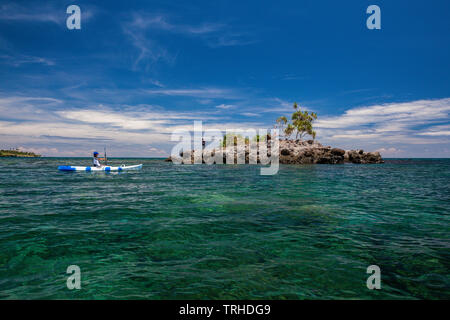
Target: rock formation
{"type": "Point", "coordinates": [302, 152]}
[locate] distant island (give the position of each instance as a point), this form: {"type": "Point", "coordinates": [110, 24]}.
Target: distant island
{"type": "Point", "coordinates": [18, 154]}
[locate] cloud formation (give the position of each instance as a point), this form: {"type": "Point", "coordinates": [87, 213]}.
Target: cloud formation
{"type": "Point", "coordinates": [141, 29]}
{"type": "Point", "coordinates": [46, 123]}
{"type": "Point", "coordinates": [161, 22]}
{"type": "Point", "coordinates": [19, 60]}
{"type": "Point", "coordinates": [407, 122]}
{"type": "Point", "coordinates": [198, 93]}
{"type": "Point", "coordinates": [14, 12]}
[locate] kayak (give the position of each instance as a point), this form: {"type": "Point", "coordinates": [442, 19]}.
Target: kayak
{"type": "Point", "coordinates": [103, 168]}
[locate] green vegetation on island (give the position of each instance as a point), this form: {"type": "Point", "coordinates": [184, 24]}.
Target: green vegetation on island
{"type": "Point", "coordinates": [18, 154]}
{"type": "Point", "coordinates": [300, 125]}
{"type": "Point", "coordinates": [238, 138]}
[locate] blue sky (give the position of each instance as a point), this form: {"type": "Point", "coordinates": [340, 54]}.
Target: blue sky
{"type": "Point", "coordinates": [137, 70]}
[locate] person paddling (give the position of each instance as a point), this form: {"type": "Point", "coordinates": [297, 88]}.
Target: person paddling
{"type": "Point", "coordinates": [96, 160]}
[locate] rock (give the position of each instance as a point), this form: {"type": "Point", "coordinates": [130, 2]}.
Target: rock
{"type": "Point", "coordinates": [324, 160]}
{"type": "Point", "coordinates": [305, 160]}
{"type": "Point", "coordinates": [372, 157]}
{"type": "Point", "coordinates": [353, 157]}
{"type": "Point", "coordinates": [307, 153]}
{"type": "Point", "coordinates": [310, 141]}
{"type": "Point", "coordinates": [337, 151]}
{"type": "Point", "coordinates": [360, 156]}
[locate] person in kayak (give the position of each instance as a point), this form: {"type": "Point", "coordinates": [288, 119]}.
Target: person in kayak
{"type": "Point", "coordinates": [96, 160]}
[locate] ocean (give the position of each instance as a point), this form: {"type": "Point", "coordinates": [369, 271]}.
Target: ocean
{"type": "Point", "coordinates": [225, 231]}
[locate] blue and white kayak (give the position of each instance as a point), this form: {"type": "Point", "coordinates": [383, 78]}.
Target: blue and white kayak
{"type": "Point", "coordinates": [103, 168]}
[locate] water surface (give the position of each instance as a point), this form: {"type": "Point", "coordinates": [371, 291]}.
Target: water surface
{"type": "Point", "coordinates": [224, 231]}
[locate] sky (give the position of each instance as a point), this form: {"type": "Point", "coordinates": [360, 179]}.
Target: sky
{"type": "Point", "coordinates": [138, 70]}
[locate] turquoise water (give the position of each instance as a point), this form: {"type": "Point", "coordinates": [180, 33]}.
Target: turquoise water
{"type": "Point", "coordinates": [225, 232]}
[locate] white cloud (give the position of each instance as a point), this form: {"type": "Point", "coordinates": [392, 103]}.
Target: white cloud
{"type": "Point", "coordinates": [401, 122]}
{"type": "Point", "coordinates": [161, 22]}
{"type": "Point", "coordinates": [442, 130]}
{"type": "Point", "coordinates": [225, 106]}
{"type": "Point", "coordinates": [156, 83]}
{"type": "Point", "coordinates": [150, 51]}
{"type": "Point", "coordinates": [16, 13]}
{"type": "Point", "coordinates": [392, 114]}
{"type": "Point", "coordinates": [41, 151]}
{"type": "Point", "coordinates": [142, 27]}
{"type": "Point", "coordinates": [213, 33]}
{"type": "Point", "coordinates": [389, 151]}
{"type": "Point", "coordinates": [157, 152]}
{"type": "Point", "coordinates": [250, 114]}
{"type": "Point", "coordinates": [27, 108]}
{"type": "Point", "coordinates": [435, 133]}
{"type": "Point", "coordinates": [205, 101]}
{"type": "Point", "coordinates": [39, 122]}
{"type": "Point", "coordinates": [19, 60]}
{"type": "Point", "coordinates": [113, 119]}
{"type": "Point", "coordinates": [207, 93]}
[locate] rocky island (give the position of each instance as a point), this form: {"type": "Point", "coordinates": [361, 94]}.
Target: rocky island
{"type": "Point", "coordinates": [18, 154]}
{"type": "Point", "coordinates": [291, 151]}
{"type": "Point", "coordinates": [300, 152]}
